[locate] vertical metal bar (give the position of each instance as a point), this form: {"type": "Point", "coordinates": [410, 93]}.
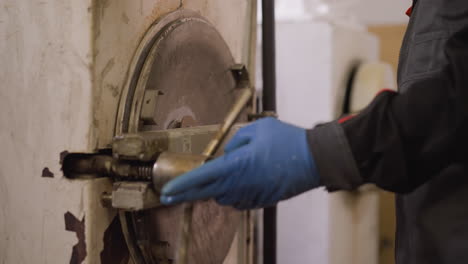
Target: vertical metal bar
{"type": "Point", "coordinates": [269, 235]}
{"type": "Point", "coordinates": [269, 104]}
{"type": "Point", "coordinates": [269, 55]}
{"type": "Point", "coordinates": [251, 57]}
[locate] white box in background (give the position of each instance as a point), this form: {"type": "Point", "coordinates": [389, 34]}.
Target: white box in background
{"type": "Point", "coordinates": [314, 62]}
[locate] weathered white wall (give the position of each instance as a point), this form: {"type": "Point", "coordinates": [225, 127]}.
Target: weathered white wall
{"type": "Point", "coordinates": [63, 66]}
{"type": "Point", "coordinates": [45, 109]}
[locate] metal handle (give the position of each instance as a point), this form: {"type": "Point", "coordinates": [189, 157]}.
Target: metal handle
{"type": "Point", "coordinates": [210, 150]}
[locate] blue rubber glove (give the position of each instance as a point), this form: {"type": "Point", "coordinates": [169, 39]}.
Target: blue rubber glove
{"type": "Point", "coordinates": [264, 163]}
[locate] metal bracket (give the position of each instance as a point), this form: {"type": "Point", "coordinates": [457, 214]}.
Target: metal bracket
{"type": "Point", "coordinates": [148, 108]}
{"type": "Point", "coordinates": [241, 75]}
{"type": "Point", "coordinates": [144, 146]}
{"type": "Point", "coordinates": [132, 163]}
{"type": "Point", "coordinates": [134, 196]}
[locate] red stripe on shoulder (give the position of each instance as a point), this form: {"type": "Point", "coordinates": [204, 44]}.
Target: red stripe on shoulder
{"type": "Point", "coordinates": [386, 90]}
{"type": "Point", "coordinates": [346, 118]}
{"type": "Point", "coordinates": [349, 117]}
{"type": "Point", "coordinates": [409, 11]}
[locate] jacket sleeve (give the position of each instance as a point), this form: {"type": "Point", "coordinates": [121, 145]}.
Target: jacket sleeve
{"type": "Point", "coordinates": [401, 140]}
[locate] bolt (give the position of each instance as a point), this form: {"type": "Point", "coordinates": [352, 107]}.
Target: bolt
{"type": "Point", "coordinates": [106, 199]}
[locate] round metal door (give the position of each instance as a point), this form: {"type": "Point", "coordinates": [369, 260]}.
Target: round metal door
{"type": "Point", "coordinates": [180, 77]}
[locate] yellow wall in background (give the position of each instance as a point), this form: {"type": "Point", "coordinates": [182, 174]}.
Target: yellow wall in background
{"type": "Point", "coordinates": [390, 38]}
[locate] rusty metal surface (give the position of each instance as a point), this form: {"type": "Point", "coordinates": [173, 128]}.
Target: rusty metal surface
{"type": "Point", "coordinates": [144, 145]}
{"type": "Point", "coordinates": [189, 63]}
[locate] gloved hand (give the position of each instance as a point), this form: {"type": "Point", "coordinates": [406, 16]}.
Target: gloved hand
{"type": "Point", "coordinates": [265, 162]}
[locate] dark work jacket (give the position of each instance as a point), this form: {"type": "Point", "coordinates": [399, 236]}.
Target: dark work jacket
{"type": "Point", "coordinates": [414, 142]}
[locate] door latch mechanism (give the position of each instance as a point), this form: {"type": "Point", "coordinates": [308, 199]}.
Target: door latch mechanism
{"type": "Point", "coordinates": [141, 163]}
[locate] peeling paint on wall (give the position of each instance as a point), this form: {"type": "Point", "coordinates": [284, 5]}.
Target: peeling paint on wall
{"type": "Point", "coordinates": [115, 249]}
{"type": "Point", "coordinates": [46, 173]}
{"type": "Point", "coordinates": [74, 225]}
{"type": "Point", "coordinates": [63, 154]}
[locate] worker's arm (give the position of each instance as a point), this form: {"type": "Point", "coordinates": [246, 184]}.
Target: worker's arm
{"type": "Point", "coordinates": [402, 140]}
{"type": "Point", "coordinates": [398, 142]}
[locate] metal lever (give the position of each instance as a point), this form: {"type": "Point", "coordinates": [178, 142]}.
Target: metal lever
{"type": "Point", "coordinates": [210, 150]}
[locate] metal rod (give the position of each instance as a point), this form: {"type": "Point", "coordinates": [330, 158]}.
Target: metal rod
{"type": "Point", "coordinates": [77, 165]}
{"type": "Point", "coordinates": [269, 104]}
{"type": "Point", "coordinates": [229, 121]}
{"type": "Point", "coordinates": [211, 148]}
